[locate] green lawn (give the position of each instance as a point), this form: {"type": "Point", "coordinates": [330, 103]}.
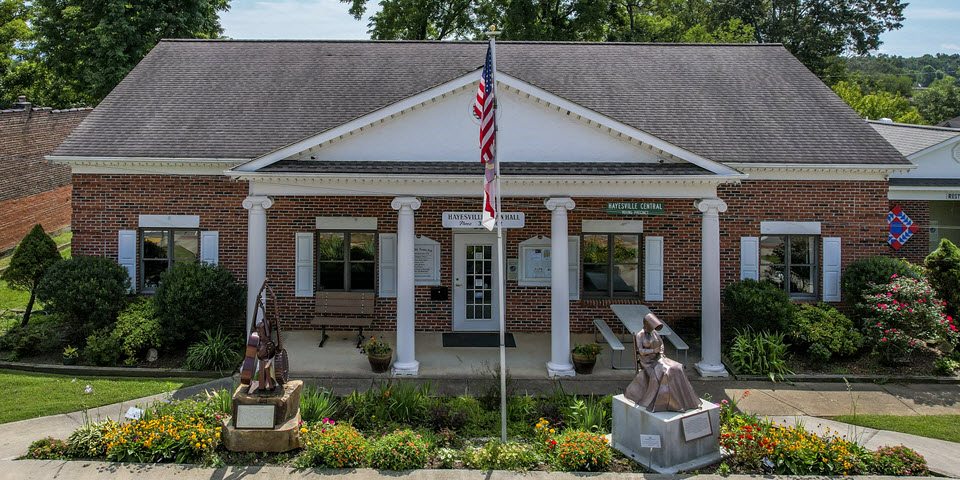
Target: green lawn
{"type": "Point", "coordinates": [29, 395]}
{"type": "Point", "coordinates": [943, 427]}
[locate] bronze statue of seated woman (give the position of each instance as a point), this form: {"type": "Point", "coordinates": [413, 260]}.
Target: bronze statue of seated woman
{"type": "Point", "coordinates": [661, 385]}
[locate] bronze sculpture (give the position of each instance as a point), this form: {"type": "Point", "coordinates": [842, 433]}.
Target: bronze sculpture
{"type": "Point", "coordinates": [265, 356]}
{"type": "Point", "coordinates": [661, 384]}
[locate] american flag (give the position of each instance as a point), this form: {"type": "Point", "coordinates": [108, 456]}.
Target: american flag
{"type": "Point", "coordinates": [483, 109]}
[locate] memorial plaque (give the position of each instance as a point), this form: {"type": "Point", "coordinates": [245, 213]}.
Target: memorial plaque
{"type": "Point", "coordinates": [696, 426]}
{"type": "Point", "coordinates": [255, 416]}
{"type": "Point", "coordinates": [426, 261]}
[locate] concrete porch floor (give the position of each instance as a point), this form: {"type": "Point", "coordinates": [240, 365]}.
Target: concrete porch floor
{"type": "Point", "coordinates": [340, 366]}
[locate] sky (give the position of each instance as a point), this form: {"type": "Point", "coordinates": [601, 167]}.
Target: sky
{"type": "Point", "coordinates": [931, 26]}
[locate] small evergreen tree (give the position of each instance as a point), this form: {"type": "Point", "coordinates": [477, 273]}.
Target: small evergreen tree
{"type": "Point", "coordinates": [30, 261]}
{"type": "Point", "coordinates": [943, 271]}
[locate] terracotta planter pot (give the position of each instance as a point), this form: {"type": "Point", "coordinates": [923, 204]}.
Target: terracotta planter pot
{"type": "Point", "coordinates": [380, 363]}
{"type": "Point", "coordinates": [583, 364]}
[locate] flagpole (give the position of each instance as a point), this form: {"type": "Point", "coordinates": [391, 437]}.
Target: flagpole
{"type": "Point", "coordinates": [492, 33]}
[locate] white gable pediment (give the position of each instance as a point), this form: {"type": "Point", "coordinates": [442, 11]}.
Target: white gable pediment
{"type": "Point", "coordinates": [438, 126]}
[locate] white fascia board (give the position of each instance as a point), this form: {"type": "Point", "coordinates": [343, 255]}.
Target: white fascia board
{"type": "Point", "coordinates": [467, 186]}
{"type": "Point", "coordinates": [923, 193]}
{"type": "Point", "coordinates": [798, 171]}
{"type": "Point", "coordinates": [358, 123]}
{"type": "Point", "coordinates": [619, 127]}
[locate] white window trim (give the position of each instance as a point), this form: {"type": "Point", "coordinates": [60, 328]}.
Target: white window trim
{"type": "Point", "coordinates": [346, 223]}
{"type": "Point", "coordinates": [170, 221]}
{"type": "Point", "coordinates": [790, 228]}
{"type": "Point", "coordinates": [612, 226]}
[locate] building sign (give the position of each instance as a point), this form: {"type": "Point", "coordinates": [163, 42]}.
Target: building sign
{"type": "Point", "coordinates": [635, 208]}
{"type": "Point", "coordinates": [426, 261]}
{"type": "Point", "coordinates": [472, 220]}
{"type": "Point", "coordinates": [953, 196]}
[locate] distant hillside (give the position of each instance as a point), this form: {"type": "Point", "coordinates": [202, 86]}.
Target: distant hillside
{"type": "Point", "coordinates": [894, 73]}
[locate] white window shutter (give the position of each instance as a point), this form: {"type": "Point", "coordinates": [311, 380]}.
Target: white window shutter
{"type": "Point", "coordinates": [388, 265]}
{"type": "Point", "coordinates": [127, 255]}
{"type": "Point", "coordinates": [831, 269]}
{"type": "Point", "coordinates": [304, 267]}
{"type": "Point", "coordinates": [750, 258]}
{"type": "Point", "coordinates": [653, 269]}
{"type": "Point", "coordinates": [210, 247]}
{"type": "Point", "coordinates": [573, 265]}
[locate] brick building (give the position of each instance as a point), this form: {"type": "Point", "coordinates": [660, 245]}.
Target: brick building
{"type": "Point", "coordinates": [631, 173]}
{"type": "Point", "coordinates": [32, 189]}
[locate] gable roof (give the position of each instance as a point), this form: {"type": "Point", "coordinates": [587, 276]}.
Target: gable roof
{"type": "Point", "coordinates": [243, 99]}
{"type": "Point", "coordinates": [952, 123]}
{"type": "Point", "coordinates": [910, 139]}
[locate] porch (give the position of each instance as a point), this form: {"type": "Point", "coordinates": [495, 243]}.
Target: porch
{"type": "Point", "coordinates": [340, 366]}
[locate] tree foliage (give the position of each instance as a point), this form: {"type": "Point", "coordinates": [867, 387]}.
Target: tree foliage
{"type": "Point", "coordinates": [881, 104]}
{"type": "Point", "coordinates": [940, 102]}
{"type": "Point", "coordinates": [35, 254]}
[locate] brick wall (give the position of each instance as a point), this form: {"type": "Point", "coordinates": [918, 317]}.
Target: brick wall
{"type": "Point", "coordinates": [33, 190]}
{"type": "Point", "coordinates": [918, 247]}
{"type": "Point", "coordinates": [852, 210]}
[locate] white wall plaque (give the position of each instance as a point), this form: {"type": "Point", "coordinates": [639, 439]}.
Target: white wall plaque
{"type": "Point", "coordinates": [255, 416]}
{"type": "Point", "coordinates": [472, 219]}
{"type": "Point", "coordinates": [426, 261]}
{"type": "Point", "coordinates": [696, 426]}
{"type": "Point", "coordinates": [649, 441]}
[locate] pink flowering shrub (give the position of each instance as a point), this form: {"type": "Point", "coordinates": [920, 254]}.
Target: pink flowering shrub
{"type": "Point", "coordinates": [904, 314]}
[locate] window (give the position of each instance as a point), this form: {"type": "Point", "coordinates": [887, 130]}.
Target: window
{"type": "Point", "coordinates": [790, 262]}
{"type": "Point", "coordinates": [611, 265]}
{"type": "Point", "coordinates": [345, 268]}
{"type": "Point", "coordinates": [160, 248]}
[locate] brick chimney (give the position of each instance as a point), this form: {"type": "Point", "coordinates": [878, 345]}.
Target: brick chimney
{"type": "Point", "coordinates": [22, 103]}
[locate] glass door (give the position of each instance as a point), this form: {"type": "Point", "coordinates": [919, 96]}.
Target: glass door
{"type": "Point", "coordinates": [475, 288]}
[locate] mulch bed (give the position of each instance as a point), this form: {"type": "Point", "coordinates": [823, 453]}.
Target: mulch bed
{"type": "Point", "coordinates": [916, 364]}
{"type": "Point", "coordinates": [174, 359]}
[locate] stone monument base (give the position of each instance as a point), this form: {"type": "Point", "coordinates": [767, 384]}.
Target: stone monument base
{"type": "Point", "coordinates": [676, 453]}
{"type": "Point", "coordinates": [264, 422]}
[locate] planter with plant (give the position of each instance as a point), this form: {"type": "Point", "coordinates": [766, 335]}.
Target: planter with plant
{"type": "Point", "coordinates": [379, 354]}
{"type": "Point", "coordinates": [585, 357]}
{"type": "Point", "coordinates": [70, 355]}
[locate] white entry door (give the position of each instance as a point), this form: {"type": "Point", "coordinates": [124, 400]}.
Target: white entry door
{"type": "Point", "coordinates": [476, 304]}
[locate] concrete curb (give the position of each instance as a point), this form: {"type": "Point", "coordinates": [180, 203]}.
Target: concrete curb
{"type": "Point", "coordinates": [830, 378]}
{"type": "Point", "coordinates": [91, 371]}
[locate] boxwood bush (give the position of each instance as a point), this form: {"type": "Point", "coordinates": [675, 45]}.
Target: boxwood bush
{"type": "Point", "coordinates": [761, 306]}
{"type": "Point", "coordinates": [824, 332]}
{"type": "Point", "coordinates": [193, 297]}
{"type": "Point", "coordinates": [86, 293]}
{"type": "Point", "coordinates": [943, 273]}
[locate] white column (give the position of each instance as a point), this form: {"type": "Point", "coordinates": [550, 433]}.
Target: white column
{"type": "Point", "coordinates": [559, 364]}
{"type": "Point", "coordinates": [406, 364]}
{"type": "Point", "coordinates": [256, 250]}
{"type": "Point", "coordinates": [710, 364]}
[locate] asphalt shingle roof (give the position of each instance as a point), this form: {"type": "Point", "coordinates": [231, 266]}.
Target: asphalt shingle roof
{"type": "Point", "coordinates": [243, 99]}
{"type": "Point", "coordinates": [476, 168]}
{"type": "Point", "coordinates": [910, 139]}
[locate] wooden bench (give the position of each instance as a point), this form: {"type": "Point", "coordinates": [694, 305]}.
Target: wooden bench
{"type": "Point", "coordinates": [631, 316]}
{"type": "Point", "coordinates": [610, 338]}
{"type": "Point", "coordinates": [344, 309]}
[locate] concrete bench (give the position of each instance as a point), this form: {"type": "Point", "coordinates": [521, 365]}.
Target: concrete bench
{"type": "Point", "coordinates": [611, 339]}
{"type": "Point", "coordinates": [344, 309]}
{"type": "Point", "coordinates": [631, 316]}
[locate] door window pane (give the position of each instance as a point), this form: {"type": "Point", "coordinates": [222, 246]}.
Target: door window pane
{"type": "Point", "coordinates": [186, 245]}
{"type": "Point", "coordinates": [330, 246]}
{"type": "Point", "coordinates": [155, 244]}
{"type": "Point", "coordinates": [626, 248]}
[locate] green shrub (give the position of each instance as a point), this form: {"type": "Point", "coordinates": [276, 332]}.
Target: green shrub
{"type": "Point", "coordinates": [861, 274]}
{"type": "Point", "coordinates": [946, 367]}
{"type": "Point", "coordinates": [760, 353]}
{"type": "Point", "coordinates": [328, 445]}
{"type": "Point", "coordinates": [87, 441]}
{"type": "Point", "coordinates": [85, 292]}
{"type": "Point", "coordinates": [494, 455]}
{"type": "Point", "coordinates": [193, 297]}
{"type": "Point", "coordinates": [103, 348]}
{"type": "Point", "coordinates": [759, 305]}
{"type": "Point", "coordinates": [42, 335]}
{"type": "Point", "coordinates": [824, 331]}
{"type": "Point", "coordinates": [400, 450]}
{"type": "Point", "coordinates": [35, 254]}
{"type": "Point", "coordinates": [943, 273]}
{"type": "Point", "coordinates": [317, 404]}
{"type": "Point", "coordinates": [48, 449]}
{"type": "Point", "coordinates": [899, 461]}
{"type": "Point", "coordinates": [217, 350]}
{"type": "Point", "coordinates": [903, 315]}
{"type": "Point", "coordinates": [579, 451]}
{"type": "Point", "coordinates": [138, 328]}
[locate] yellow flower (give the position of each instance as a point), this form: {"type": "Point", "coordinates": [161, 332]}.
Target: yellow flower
{"type": "Point", "coordinates": [553, 431]}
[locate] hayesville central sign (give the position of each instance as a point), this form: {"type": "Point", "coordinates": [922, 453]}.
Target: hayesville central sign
{"type": "Point", "coordinates": [635, 208]}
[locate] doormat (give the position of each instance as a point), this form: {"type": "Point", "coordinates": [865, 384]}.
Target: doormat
{"type": "Point", "coordinates": [492, 339]}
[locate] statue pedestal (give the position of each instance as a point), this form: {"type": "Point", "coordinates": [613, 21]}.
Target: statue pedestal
{"type": "Point", "coordinates": [684, 441]}
{"type": "Point", "coordinates": [264, 422]}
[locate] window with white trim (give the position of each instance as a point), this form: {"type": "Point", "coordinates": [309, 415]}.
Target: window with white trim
{"type": "Point", "coordinates": [611, 265]}
{"type": "Point", "coordinates": [790, 262]}
{"type": "Point", "coordinates": [346, 260]}
{"type": "Point", "coordinates": [160, 248]}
